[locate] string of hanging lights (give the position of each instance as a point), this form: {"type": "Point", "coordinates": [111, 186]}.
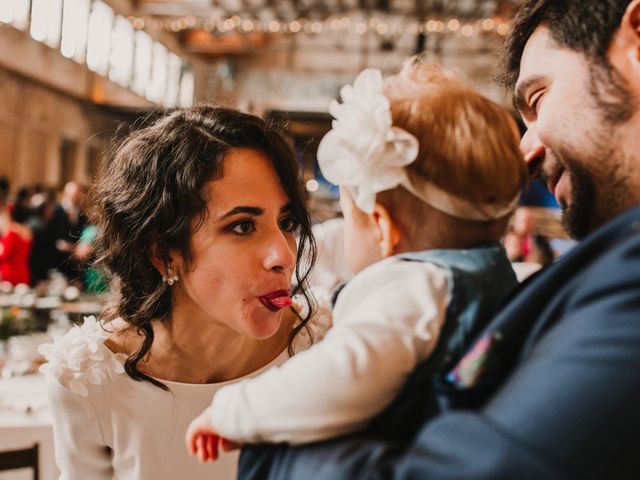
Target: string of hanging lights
{"type": "Point", "coordinates": [235, 24]}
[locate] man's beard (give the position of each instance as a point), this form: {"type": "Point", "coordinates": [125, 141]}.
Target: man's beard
{"type": "Point", "coordinates": [592, 205]}
{"type": "Point", "coordinates": [577, 216]}
{"type": "Point", "coordinates": [590, 209]}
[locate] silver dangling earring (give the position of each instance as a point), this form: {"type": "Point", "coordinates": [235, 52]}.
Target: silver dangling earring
{"type": "Point", "coordinates": [170, 278]}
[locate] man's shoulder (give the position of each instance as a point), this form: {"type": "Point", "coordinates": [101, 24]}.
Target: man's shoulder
{"type": "Point", "coordinates": [613, 247]}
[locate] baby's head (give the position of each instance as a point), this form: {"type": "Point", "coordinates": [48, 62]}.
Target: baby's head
{"type": "Point", "coordinates": [423, 161]}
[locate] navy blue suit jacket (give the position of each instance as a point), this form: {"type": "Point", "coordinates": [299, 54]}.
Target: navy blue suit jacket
{"type": "Point", "coordinates": [556, 395]}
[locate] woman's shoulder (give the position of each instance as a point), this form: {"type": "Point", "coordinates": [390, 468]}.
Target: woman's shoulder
{"type": "Point", "coordinates": [80, 358]}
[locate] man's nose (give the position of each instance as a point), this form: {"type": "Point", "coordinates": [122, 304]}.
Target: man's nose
{"type": "Point", "coordinates": [280, 254]}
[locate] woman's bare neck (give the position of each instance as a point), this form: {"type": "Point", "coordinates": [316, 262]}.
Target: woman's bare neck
{"type": "Point", "coordinates": [194, 355]}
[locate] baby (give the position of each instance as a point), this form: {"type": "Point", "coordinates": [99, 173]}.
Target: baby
{"type": "Point", "coordinates": [429, 173]}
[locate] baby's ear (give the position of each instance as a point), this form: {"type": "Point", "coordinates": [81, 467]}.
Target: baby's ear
{"type": "Point", "coordinates": [389, 233]}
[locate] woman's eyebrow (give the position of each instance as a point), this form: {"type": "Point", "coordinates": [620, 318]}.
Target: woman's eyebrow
{"type": "Point", "coordinates": [287, 208]}
{"type": "Point", "coordinates": [255, 211]}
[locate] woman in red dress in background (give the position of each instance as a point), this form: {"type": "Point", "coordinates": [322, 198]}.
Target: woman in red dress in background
{"type": "Point", "coordinates": [15, 247]}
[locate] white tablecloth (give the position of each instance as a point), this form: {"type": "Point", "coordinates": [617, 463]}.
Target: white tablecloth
{"type": "Point", "coordinates": [20, 428]}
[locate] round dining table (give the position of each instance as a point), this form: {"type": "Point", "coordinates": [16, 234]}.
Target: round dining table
{"type": "Point", "coordinates": [25, 421]}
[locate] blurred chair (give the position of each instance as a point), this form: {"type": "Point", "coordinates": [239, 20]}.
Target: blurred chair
{"type": "Point", "coordinates": [14, 459]}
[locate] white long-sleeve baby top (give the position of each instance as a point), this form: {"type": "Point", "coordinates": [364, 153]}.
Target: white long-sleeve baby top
{"type": "Point", "coordinates": [386, 321]}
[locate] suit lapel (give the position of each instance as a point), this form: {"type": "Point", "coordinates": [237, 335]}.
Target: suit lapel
{"type": "Point", "coordinates": [534, 308]}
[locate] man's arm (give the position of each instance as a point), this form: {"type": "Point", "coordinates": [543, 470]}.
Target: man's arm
{"type": "Point", "coordinates": [567, 411]}
{"type": "Point", "coordinates": [458, 446]}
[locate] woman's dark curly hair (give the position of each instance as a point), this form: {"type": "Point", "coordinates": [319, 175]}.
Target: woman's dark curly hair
{"type": "Point", "coordinates": [150, 193]}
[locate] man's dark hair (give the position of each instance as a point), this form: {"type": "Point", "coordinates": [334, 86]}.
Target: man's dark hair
{"type": "Point", "coordinates": [586, 26]}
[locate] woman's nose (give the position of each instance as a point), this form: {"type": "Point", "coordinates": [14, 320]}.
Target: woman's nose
{"type": "Point", "coordinates": [280, 253]}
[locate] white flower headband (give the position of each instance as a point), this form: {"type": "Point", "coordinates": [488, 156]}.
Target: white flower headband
{"type": "Point", "coordinates": [365, 153]}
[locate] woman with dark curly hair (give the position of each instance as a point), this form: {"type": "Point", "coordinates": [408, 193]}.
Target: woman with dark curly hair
{"type": "Point", "coordinates": [202, 227]}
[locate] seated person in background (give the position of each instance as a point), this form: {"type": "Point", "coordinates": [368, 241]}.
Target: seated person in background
{"type": "Point", "coordinates": [429, 173]}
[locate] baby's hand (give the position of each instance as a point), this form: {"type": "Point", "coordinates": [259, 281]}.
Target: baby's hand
{"type": "Point", "coordinates": [228, 445]}
{"type": "Point", "coordinates": [201, 439]}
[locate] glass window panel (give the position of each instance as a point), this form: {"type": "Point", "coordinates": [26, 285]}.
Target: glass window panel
{"type": "Point", "coordinates": [99, 37]}
{"type": "Point", "coordinates": [75, 22]}
{"type": "Point", "coordinates": [157, 87]}
{"type": "Point", "coordinates": [6, 12]}
{"type": "Point", "coordinates": [121, 61]}
{"type": "Point", "coordinates": [186, 89]}
{"type": "Point", "coordinates": [15, 12]}
{"type": "Point", "coordinates": [46, 20]}
{"type": "Point", "coordinates": [173, 87]}
{"type": "Point", "coordinates": [142, 63]}
{"type": "Point", "coordinates": [21, 10]}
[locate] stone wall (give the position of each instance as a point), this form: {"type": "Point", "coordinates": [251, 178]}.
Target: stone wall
{"type": "Point", "coordinates": [56, 117]}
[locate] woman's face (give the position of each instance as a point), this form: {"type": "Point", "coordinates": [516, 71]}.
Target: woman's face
{"type": "Point", "coordinates": [244, 254]}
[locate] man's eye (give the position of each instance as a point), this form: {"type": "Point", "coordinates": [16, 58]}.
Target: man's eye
{"type": "Point", "coordinates": [289, 224]}
{"type": "Point", "coordinates": [534, 101]}
{"type": "Point", "coordinates": [243, 228]}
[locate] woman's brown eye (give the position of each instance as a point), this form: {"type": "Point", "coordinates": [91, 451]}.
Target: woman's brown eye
{"type": "Point", "coordinates": [289, 224]}
{"type": "Point", "coordinates": [243, 228]}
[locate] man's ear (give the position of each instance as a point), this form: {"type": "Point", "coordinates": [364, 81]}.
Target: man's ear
{"type": "Point", "coordinates": [624, 52]}
{"type": "Point", "coordinates": [389, 234]}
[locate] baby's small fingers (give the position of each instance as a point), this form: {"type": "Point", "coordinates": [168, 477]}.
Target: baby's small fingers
{"type": "Point", "coordinates": [214, 440]}
{"type": "Point", "coordinates": [207, 447]}
{"type": "Point", "coordinates": [201, 448]}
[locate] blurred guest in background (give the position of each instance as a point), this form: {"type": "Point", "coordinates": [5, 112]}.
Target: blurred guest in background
{"type": "Point", "coordinates": [93, 280]}
{"type": "Point", "coordinates": [519, 239]}
{"type": "Point", "coordinates": [15, 246]}
{"type": "Point", "coordinates": [68, 221]}
{"type": "Point", "coordinates": [44, 253]}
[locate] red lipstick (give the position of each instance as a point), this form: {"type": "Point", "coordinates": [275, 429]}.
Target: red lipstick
{"type": "Point", "coordinates": [276, 300]}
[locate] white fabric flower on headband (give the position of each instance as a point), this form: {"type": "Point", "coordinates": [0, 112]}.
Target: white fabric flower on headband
{"type": "Point", "coordinates": [364, 151]}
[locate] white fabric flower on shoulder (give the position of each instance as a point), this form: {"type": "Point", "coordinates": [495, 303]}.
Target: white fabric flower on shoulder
{"type": "Point", "coordinates": [80, 358]}
{"type": "Point", "coordinates": [364, 151]}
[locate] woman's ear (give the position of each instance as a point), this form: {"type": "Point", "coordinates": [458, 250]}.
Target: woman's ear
{"type": "Point", "coordinates": [388, 232]}
{"type": "Point", "coordinates": [159, 262]}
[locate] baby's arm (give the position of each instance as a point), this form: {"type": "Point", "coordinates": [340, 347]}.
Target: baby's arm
{"type": "Point", "coordinates": [387, 320]}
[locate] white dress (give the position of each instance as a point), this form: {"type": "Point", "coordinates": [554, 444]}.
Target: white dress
{"type": "Point", "coordinates": [386, 321]}
{"type": "Point", "coordinates": [107, 425]}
